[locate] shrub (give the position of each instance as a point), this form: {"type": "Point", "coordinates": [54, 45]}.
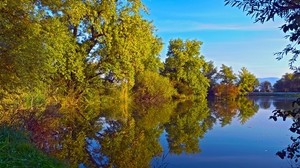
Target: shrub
{"type": "Point", "coordinates": [151, 87]}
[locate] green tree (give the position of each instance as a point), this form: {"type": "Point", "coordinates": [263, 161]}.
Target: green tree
{"type": "Point", "coordinates": [23, 58]}
{"type": "Point", "coordinates": [150, 87]}
{"type": "Point", "coordinates": [266, 10]}
{"type": "Point", "coordinates": [247, 82]}
{"type": "Point", "coordinates": [265, 86]}
{"type": "Point", "coordinates": [74, 43]}
{"type": "Point", "coordinates": [184, 66]}
{"type": "Point", "coordinates": [288, 83]}
{"type": "Point", "coordinates": [226, 75]}
{"type": "Point", "coordinates": [210, 72]}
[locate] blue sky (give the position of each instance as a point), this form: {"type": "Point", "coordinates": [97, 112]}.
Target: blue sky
{"type": "Point", "coordinates": [229, 36]}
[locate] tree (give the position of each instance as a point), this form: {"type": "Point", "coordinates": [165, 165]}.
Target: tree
{"type": "Point", "coordinates": [226, 75]}
{"type": "Point", "coordinates": [150, 87]}
{"type": "Point", "coordinates": [229, 91]}
{"type": "Point", "coordinates": [23, 58]}
{"type": "Point", "coordinates": [75, 43]}
{"type": "Point", "coordinates": [266, 10]}
{"type": "Point", "coordinates": [265, 86]}
{"type": "Point", "coordinates": [210, 72]}
{"type": "Point", "coordinates": [227, 88]}
{"type": "Point", "coordinates": [246, 82]}
{"type": "Point", "coordinates": [288, 83]}
{"type": "Point", "coordinates": [184, 66]}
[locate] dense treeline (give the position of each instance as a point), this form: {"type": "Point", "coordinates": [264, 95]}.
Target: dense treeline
{"type": "Point", "coordinates": [290, 82]}
{"type": "Point", "coordinates": [72, 52]}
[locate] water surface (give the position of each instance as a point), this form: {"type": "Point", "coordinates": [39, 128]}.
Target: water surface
{"type": "Point", "coordinates": [251, 143]}
{"type": "Point", "coordinates": [190, 134]}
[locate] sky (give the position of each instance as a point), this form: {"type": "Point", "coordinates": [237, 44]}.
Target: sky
{"type": "Point", "coordinates": [229, 36]}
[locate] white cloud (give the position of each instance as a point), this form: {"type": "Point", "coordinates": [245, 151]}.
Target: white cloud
{"type": "Point", "coordinates": [193, 26]}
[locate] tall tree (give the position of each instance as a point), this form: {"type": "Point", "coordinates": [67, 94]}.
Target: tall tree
{"type": "Point", "coordinates": [288, 83]}
{"type": "Point", "coordinates": [226, 75]}
{"type": "Point", "coordinates": [22, 52]}
{"type": "Point", "coordinates": [246, 81]}
{"type": "Point", "coordinates": [227, 88]}
{"type": "Point", "coordinates": [266, 10]}
{"type": "Point", "coordinates": [184, 65]}
{"type": "Point", "coordinates": [210, 72]}
{"type": "Point", "coordinates": [265, 86]}
{"type": "Point", "coordinates": [75, 42]}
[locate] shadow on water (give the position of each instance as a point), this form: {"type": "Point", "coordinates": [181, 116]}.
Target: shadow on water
{"type": "Point", "coordinates": [127, 134]}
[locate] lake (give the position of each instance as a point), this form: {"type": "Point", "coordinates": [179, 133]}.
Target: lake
{"type": "Point", "coordinates": [190, 134]}
{"type": "Point", "coordinates": [228, 134]}
{"type": "Point", "coordinates": [252, 143]}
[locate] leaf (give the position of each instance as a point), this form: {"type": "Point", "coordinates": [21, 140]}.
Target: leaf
{"type": "Point", "coordinates": [273, 117]}
{"type": "Point", "coordinates": [293, 129]}
{"type": "Point", "coordinates": [281, 154]}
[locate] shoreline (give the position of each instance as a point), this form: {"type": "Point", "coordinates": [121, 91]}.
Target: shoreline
{"type": "Point", "coordinates": [287, 94]}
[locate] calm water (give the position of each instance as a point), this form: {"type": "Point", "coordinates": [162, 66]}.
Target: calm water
{"type": "Point", "coordinates": [178, 134]}
{"type": "Point", "coordinates": [253, 143]}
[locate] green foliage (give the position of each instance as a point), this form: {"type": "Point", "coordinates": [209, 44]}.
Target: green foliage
{"type": "Point", "coordinates": [22, 58]}
{"type": "Point", "coordinates": [247, 82]}
{"type": "Point", "coordinates": [231, 86]}
{"type": "Point", "coordinates": [17, 151]}
{"type": "Point", "coordinates": [226, 75]}
{"type": "Point", "coordinates": [68, 46]}
{"type": "Point", "coordinates": [265, 86]}
{"type": "Point", "coordinates": [184, 65]}
{"type": "Point", "coordinates": [264, 11]}
{"type": "Point", "coordinates": [288, 83]}
{"type": "Point", "coordinates": [210, 71]}
{"type": "Point", "coordinates": [150, 87]}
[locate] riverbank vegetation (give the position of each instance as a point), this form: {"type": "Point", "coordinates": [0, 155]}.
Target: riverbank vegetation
{"type": "Point", "coordinates": [288, 83]}
{"type": "Point", "coordinates": [16, 150]}
{"type": "Point", "coordinates": [71, 52]}
{"type": "Point", "coordinates": [57, 57]}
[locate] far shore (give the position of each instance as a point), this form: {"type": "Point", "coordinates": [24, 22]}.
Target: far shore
{"type": "Point", "coordinates": [290, 94]}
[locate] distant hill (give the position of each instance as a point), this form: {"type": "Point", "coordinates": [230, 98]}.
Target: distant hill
{"type": "Point", "coordinates": [272, 80]}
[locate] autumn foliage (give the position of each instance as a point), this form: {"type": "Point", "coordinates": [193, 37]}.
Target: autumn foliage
{"type": "Point", "coordinates": [226, 91]}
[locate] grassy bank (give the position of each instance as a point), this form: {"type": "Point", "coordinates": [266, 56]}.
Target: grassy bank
{"type": "Point", "coordinates": [17, 151]}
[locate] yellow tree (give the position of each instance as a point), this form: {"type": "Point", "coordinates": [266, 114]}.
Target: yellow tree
{"type": "Point", "coordinates": [247, 81]}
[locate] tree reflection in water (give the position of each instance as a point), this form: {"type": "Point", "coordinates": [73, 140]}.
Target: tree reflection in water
{"type": "Point", "coordinates": [185, 127]}
{"type": "Point", "coordinates": [126, 135]}
{"type": "Point", "coordinates": [225, 111]}
{"type": "Point", "coordinates": [292, 152]}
